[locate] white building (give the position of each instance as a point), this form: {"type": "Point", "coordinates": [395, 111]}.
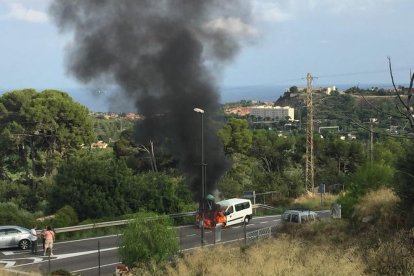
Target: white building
{"type": "Point", "coordinates": [273, 112]}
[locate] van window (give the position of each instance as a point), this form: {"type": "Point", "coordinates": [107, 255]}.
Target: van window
{"type": "Point", "coordinates": [295, 218]}
{"type": "Point", "coordinates": [230, 210]}
{"type": "Point", "coordinates": [242, 206]}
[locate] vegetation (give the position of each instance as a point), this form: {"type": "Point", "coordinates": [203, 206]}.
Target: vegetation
{"type": "Point", "coordinates": [37, 132]}
{"type": "Point", "coordinates": [48, 168]}
{"type": "Point", "coordinates": [148, 237]}
{"type": "Point", "coordinates": [326, 247]}
{"type": "Point", "coordinates": [97, 185]}
{"type": "Point", "coordinates": [109, 130]}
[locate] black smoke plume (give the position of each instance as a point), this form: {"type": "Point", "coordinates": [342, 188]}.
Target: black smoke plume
{"type": "Point", "coordinates": [161, 54]}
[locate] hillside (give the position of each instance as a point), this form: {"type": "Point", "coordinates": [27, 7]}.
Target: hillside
{"type": "Point", "coordinates": [347, 110]}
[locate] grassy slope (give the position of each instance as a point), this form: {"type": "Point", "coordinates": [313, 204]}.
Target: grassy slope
{"type": "Point", "coordinates": [327, 247]}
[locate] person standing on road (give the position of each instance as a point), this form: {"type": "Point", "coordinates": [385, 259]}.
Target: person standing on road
{"type": "Point", "coordinates": [33, 239]}
{"type": "Point", "coordinates": [49, 239]}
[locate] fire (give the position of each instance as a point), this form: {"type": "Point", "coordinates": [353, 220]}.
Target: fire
{"type": "Point", "coordinates": [213, 215]}
{"type": "Point", "coordinates": [211, 218]}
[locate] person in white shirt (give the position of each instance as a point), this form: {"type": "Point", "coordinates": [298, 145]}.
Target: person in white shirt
{"type": "Point", "coordinates": [33, 239]}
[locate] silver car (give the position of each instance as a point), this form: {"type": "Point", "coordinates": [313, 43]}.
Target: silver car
{"type": "Point", "coordinates": [299, 216]}
{"type": "Point", "coordinates": [14, 236]}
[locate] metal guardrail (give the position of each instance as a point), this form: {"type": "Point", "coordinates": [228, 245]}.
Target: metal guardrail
{"type": "Point", "coordinates": [110, 223]}
{"type": "Point", "coordinates": [263, 206]}
{"type": "Point", "coordinates": [260, 233]}
{"type": "Point", "coordinates": [125, 221]}
{"type": "Point", "coordinates": [120, 222]}
{"type": "Point", "coordinates": [91, 226]}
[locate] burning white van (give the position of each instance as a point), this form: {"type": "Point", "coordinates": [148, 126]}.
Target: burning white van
{"type": "Point", "coordinates": [236, 210]}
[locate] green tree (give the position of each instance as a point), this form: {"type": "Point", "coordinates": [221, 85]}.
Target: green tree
{"type": "Point", "coordinates": [139, 157]}
{"type": "Point", "coordinates": [274, 152]}
{"type": "Point", "coordinates": [148, 237]}
{"type": "Point", "coordinates": [160, 192]}
{"type": "Point", "coordinates": [65, 216]}
{"type": "Point", "coordinates": [98, 185]}
{"type": "Point", "coordinates": [389, 151]}
{"type": "Point", "coordinates": [404, 185]}
{"type": "Point", "coordinates": [240, 177]}
{"type": "Point", "coordinates": [236, 136]}
{"type": "Point", "coordinates": [37, 130]}
{"type": "Point", "coordinates": [370, 176]}
{"type": "Point", "coordinates": [293, 89]}
{"type": "Point", "coordinates": [95, 184]}
{"type": "Point", "coordinates": [10, 213]}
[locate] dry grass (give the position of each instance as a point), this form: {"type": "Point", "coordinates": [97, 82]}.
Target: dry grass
{"type": "Point", "coordinates": [394, 256]}
{"type": "Point", "coordinates": [380, 206]}
{"type": "Point", "coordinates": [9, 272]}
{"type": "Point", "coordinates": [282, 256]}
{"type": "Point", "coordinates": [313, 201]}
{"type": "Point", "coordinates": [327, 247]}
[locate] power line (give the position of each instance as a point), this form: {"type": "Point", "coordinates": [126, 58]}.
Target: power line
{"type": "Point", "coordinates": [368, 72]}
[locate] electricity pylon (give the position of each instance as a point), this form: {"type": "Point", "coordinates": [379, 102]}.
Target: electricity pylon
{"type": "Point", "coordinates": [310, 172]}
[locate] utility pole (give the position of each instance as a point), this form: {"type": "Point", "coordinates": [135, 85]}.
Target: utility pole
{"type": "Point", "coordinates": [371, 136]}
{"type": "Point", "coordinates": [371, 148]}
{"type": "Point", "coordinates": [310, 172]}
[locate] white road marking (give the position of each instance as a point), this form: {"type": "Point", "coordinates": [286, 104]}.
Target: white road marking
{"type": "Point", "coordinates": [94, 267]}
{"type": "Point", "coordinates": [35, 259]}
{"type": "Point", "coordinates": [264, 222]}
{"type": "Point", "coordinates": [88, 239]}
{"type": "Point", "coordinates": [68, 255]}
{"type": "Point", "coordinates": [8, 263]}
{"type": "Point", "coordinates": [8, 253]}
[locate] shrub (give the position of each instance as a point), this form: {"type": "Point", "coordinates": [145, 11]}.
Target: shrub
{"type": "Point", "coordinates": [10, 213]}
{"type": "Point", "coordinates": [380, 206]}
{"type": "Point", "coordinates": [368, 177]}
{"type": "Point", "coordinates": [394, 256]}
{"type": "Point", "coordinates": [314, 202]}
{"type": "Point", "coordinates": [60, 272]}
{"type": "Point", "coordinates": [148, 238]}
{"type": "Point", "coordinates": [15, 192]}
{"type": "Point", "coordinates": [65, 216]}
{"type": "Point", "coordinates": [278, 257]}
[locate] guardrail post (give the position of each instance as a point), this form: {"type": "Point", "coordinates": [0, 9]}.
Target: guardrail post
{"type": "Point", "coordinates": [99, 259]}
{"type": "Point", "coordinates": [117, 240]}
{"type": "Point", "coordinates": [217, 232]}
{"type": "Point", "coordinates": [180, 237]}
{"type": "Point", "coordinates": [245, 233]}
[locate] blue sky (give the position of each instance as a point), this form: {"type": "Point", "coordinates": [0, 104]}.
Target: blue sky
{"type": "Point", "coordinates": [345, 41]}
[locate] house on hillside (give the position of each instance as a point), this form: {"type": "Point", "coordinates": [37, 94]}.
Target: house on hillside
{"type": "Point", "coordinates": [277, 113]}
{"type": "Point", "coordinates": [238, 111]}
{"type": "Point", "coordinates": [99, 145]}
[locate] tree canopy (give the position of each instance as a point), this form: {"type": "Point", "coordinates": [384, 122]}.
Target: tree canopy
{"type": "Point", "coordinates": [38, 129]}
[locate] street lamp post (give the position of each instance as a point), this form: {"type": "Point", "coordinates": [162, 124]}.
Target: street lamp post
{"type": "Point", "coordinates": [203, 172]}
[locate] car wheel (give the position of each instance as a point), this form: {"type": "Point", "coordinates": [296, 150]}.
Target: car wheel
{"type": "Point", "coordinates": [246, 220]}
{"type": "Point", "coordinates": [24, 244]}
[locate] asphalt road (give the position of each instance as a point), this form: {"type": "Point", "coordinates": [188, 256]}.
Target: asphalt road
{"type": "Point", "coordinates": [99, 256]}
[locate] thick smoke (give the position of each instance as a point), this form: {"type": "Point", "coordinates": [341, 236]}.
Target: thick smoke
{"type": "Point", "coordinates": [160, 53]}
